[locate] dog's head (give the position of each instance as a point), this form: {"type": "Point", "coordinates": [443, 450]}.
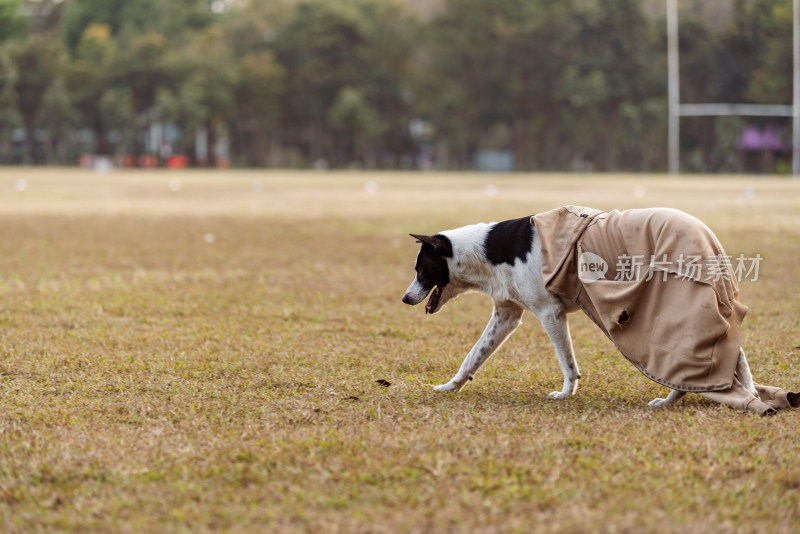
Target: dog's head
{"type": "Point", "coordinates": [433, 274]}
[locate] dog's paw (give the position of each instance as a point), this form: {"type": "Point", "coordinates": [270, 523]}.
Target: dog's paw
{"type": "Point", "coordinates": [558, 395]}
{"type": "Point", "coordinates": [450, 386]}
{"type": "Point", "coordinates": [659, 403]}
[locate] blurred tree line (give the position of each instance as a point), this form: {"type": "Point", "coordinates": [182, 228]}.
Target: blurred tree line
{"type": "Point", "coordinates": [560, 84]}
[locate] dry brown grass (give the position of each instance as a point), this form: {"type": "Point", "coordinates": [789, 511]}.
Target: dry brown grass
{"type": "Point", "coordinates": [151, 380]}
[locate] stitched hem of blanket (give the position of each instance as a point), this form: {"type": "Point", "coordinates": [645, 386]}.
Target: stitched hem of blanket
{"type": "Point", "coordinates": [676, 386]}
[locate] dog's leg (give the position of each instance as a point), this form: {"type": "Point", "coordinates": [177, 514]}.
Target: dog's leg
{"type": "Point", "coordinates": [743, 368]}
{"type": "Point", "coordinates": [738, 397]}
{"type": "Point", "coordinates": [555, 324]}
{"type": "Point", "coordinates": [673, 397]}
{"type": "Point", "coordinates": [505, 319]}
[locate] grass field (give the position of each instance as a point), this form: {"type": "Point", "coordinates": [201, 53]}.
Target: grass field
{"type": "Point", "coordinates": [199, 351]}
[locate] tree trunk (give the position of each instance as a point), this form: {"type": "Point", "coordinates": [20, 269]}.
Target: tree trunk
{"type": "Point", "coordinates": [102, 144]}
{"type": "Point", "coordinates": [211, 135]}
{"type": "Point", "coordinates": [611, 153]}
{"type": "Point", "coordinates": [30, 142]}
{"type": "Point", "coordinates": [525, 143]}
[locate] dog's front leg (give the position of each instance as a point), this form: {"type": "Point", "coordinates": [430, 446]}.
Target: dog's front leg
{"type": "Point", "coordinates": [505, 319]}
{"type": "Point", "coordinates": [673, 397]}
{"type": "Point", "coordinates": [554, 321]}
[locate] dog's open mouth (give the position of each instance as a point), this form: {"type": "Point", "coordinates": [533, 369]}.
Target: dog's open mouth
{"type": "Point", "coordinates": [433, 301]}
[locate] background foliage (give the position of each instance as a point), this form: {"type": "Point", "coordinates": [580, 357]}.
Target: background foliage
{"type": "Point", "coordinates": [568, 85]}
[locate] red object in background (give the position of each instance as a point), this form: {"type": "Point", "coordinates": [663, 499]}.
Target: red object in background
{"type": "Point", "coordinates": [178, 161]}
{"type": "Point", "coordinates": [148, 161]}
{"type": "Point", "coordinates": [129, 161]}
{"type": "Point", "coordinates": [85, 161]}
{"type": "Point", "coordinates": [223, 163]}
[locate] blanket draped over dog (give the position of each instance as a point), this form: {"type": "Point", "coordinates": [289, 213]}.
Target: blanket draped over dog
{"type": "Point", "coordinates": [659, 285]}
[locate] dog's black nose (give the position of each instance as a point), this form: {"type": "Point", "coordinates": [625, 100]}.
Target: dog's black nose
{"type": "Point", "coordinates": [407, 299]}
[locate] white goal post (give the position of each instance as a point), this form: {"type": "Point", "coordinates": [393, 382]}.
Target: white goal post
{"type": "Point", "coordinates": [678, 110]}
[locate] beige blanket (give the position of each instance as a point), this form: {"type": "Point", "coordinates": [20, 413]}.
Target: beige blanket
{"type": "Point", "coordinates": [657, 282]}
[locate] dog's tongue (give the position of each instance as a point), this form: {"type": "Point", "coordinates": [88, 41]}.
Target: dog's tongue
{"type": "Point", "coordinates": [433, 301]}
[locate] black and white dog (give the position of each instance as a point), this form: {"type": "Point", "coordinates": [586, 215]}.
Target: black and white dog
{"type": "Point", "coordinates": [503, 261]}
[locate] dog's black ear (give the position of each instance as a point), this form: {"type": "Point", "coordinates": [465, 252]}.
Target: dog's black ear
{"type": "Point", "coordinates": [429, 239]}
{"type": "Point", "coordinates": [441, 245]}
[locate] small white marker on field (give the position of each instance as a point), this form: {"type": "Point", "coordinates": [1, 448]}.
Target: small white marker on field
{"type": "Point", "coordinates": [490, 190]}
{"type": "Point", "coordinates": [209, 238]}
{"type": "Point", "coordinates": [639, 191]}
{"type": "Point", "coordinates": [22, 184]}
{"type": "Point", "coordinates": [371, 187]}
{"type": "Point", "coordinates": [175, 185]}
